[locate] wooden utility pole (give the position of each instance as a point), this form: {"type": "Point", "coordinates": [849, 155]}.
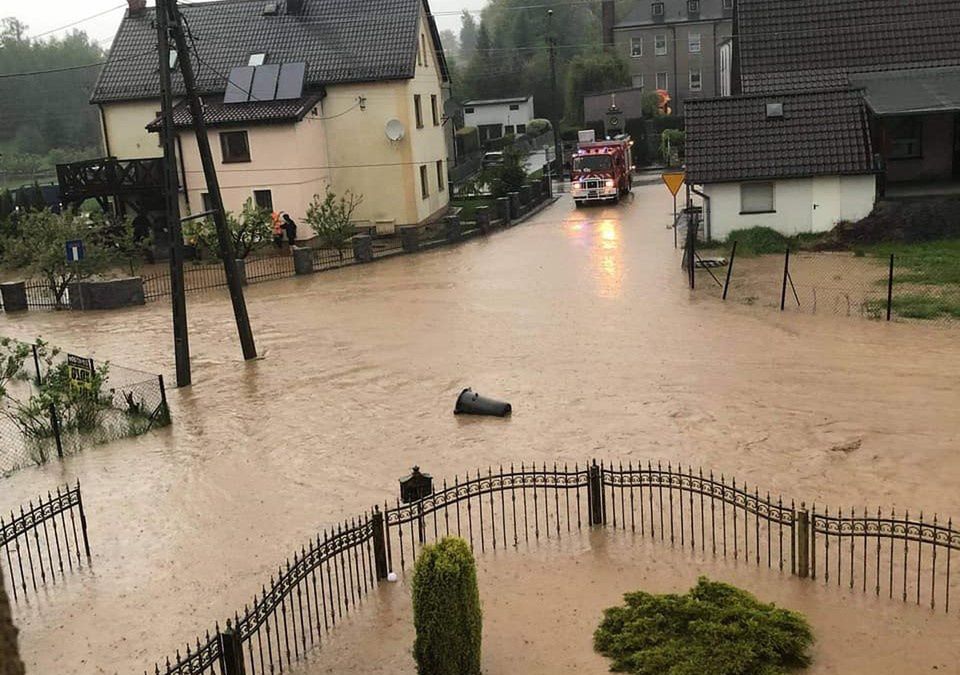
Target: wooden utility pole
{"type": "Point", "coordinates": [213, 184]}
{"type": "Point", "coordinates": [181, 341]}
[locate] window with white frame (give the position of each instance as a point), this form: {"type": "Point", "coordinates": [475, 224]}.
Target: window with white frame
{"type": "Point", "coordinates": [693, 6]}
{"type": "Point", "coordinates": [257, 59]}
{"type": "Point", "coordinates": [757, 198]}
{"type": "Point", "coordinates": [696, 80]}
{"type": "Point", "coordinates": [636, 47]}
{"type": "Point", "coordinates": [663, 81]}
{"type": "Point", "coordinates": [660, 45]}
{"type": "Point", "coordinates": [638, 81]}
{"type": "Point", "coordinates": [694, 43]}
{"type": "Point", "coordinates": [657, 9]}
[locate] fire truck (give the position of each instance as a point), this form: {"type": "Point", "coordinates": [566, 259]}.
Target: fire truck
{"type": "Point", "coordinates": [601, 169]}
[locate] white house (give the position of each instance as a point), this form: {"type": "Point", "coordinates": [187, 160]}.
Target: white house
{"type": "Point", "coordinates": [795, 163]}
{"type": "Point", "coordinates": [362, 108]}
{"type": "Point", "coordinates": [498, 117]}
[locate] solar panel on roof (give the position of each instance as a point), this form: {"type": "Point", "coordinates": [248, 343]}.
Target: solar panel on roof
{"type": "Point", "coordinates": [264, 87]}
{"type": "Point", "coordinates": [291, 80]}
{"type": "Point", "coordinates": [238, 86]}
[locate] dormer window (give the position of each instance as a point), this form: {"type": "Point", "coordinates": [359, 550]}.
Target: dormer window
{"type": "Point", "coordinates": [693, 6]}
{"type": "Point", "coordinates": [657, 9]}
{"type": "Point", "coordinates": [257, 59]}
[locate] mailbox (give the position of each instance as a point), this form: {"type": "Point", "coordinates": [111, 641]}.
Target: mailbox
{"type": "Point", "coordinates": [416, 486]}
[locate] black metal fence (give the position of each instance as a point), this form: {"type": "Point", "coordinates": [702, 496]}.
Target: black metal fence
{"type": "Point", "coordinates": [705, 514]}
{"type": "Point", "coordinates": [37, 542]}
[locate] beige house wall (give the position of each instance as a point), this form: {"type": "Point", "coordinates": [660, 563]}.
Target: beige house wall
{"type": "Point", "coordinates": [124, 129]}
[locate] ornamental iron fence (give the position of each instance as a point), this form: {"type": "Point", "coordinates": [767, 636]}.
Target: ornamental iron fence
{"type": "Point", "coordinates": [30, 560]}
{"type": "Point", "coordinates": [513, 507]}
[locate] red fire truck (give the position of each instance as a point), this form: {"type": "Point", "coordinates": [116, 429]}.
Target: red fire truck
{"type": "Point", "coordinates": [601, 169]}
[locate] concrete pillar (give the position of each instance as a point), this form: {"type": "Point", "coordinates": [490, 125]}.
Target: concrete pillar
{"type": "Point", "coordinates": [410, 238]}
{"type": "Point", "coordinates": [514, 205]}
{"type": "Point", "coordinates": [242, 271]}
{"type": "Point", "coordinates": [363, 248]}
{"type": "Point", "coordinates": [483, 219]}
{"type": "Point", "coordinates": [452, 228]}
{"type": "Point", "coordinates": [302, 260]}
{"type": "Point", "coordinates": [14, 295]}
{"type": "Point", "coordinates": [503, 208]}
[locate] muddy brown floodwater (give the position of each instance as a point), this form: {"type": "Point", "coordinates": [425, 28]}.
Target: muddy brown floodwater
{"type": "Point", "coordinates": [580, 318]}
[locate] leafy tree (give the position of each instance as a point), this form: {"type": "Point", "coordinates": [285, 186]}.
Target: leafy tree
{"type": "Point", "coordinates": [332, 219]}
{"type": "Point", "coordinates": [509, 176]}
{"type": "Point", "coordinates": [714, 628]}
{"type": "Point", "coordinates": [593, 72]}
{"type": "Point", "coordinates": [446, 610]}
{"type": "Point", "coordinates": [672, 145]}
{"type": "Point", "coordinates": [43, 252]}
{"type": "Point", "coordinates": [248, 232]}
{"type": "Point", "coordinates": [468, 34]}
{"type": "Point", "coordinates": [650, 104]}
{"type": "Point", "coordinates": [451, 46]}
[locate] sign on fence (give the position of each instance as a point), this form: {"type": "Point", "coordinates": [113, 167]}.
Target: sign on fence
{"type": "Point", "coordinates": [75, 251]}
{"type": "Point", "coordinates": [81, 371]}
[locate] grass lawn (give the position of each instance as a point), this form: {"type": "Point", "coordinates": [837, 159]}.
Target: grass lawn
{"type": "Point", "coordinates": [468, 207]}
{"type": "Point", "coordinates": [931, 263]}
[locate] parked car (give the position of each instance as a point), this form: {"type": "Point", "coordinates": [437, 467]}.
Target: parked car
{"type": "Point", "coordinates": [492, 159]}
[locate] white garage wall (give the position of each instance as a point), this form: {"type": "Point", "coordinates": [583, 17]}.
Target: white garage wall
{"type": "Point", "coordinates": [837, 198]}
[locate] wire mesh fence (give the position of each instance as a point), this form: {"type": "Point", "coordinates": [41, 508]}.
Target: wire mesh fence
{"type": "Point", "coordinates": [41, 538]}
{"type": "Point", "coordinates": [705, 513]}
{"type": "Point", "coordinates": [59, 404]}
{"type": "Point", "coordinates": [886, 287]}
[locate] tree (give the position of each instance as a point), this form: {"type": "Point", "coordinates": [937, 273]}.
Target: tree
{"type": "Point", "coordinates": [672, 146]}
{"type": "Point", "coordinates": [332, 219]}
{"type": "Point", "coordinates": [714, 628]}
{"type": "Point", "coordinates": [248, 232]}
{"type": "Point", "coordinates": [509, 176]}
{"type": "Point", "coordinates": [43, 252]}
{"type": "Point", "coordinates": [451, 47]}
{"type": "Point", "coordinates": [468, 34]}
{"type": "Point", "coordinates": [446, 610]}
{"type": "Point", "coordinates": [592, 73]}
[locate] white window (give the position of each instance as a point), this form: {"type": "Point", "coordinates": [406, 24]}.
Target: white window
{"type": "Point", "coordinates": [693, 41]}
{"type": "Point", "coordinates": [662, 81]}
{"type": "Point", "coordinates": [660, 45]}
{"type": "Point", "coordinates": [657, 9]}
{"type": "Point", "coordinates": [256, 59]}
{"type": "Point", "coordinates": [638, 81]}
{"type": "Point", "coordinates": [756, 198]}
{"type": "Point", "coordinates": [636, 47]}
{"type": "Point", "coordinates": [696, 80]}
{"type": "Point", "coordinates": [515, 106]}
{"type": "Point", "coordinates": [693, 6]}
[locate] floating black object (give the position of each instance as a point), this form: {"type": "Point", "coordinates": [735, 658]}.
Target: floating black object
{"type": "Point", "coordinates": [471, 403]}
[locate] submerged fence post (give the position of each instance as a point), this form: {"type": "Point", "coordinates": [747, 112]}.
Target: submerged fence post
{"type": "Point", "coordinates": [786, 273]}
{"type": "Point", "coordinates": [890, 290]}
{"type": "Point", "coordinates": [379, 543]}
{"type": "Point", "coordinates": [55, 424]}
{"type": "Point", "coordinates": [596, 495]}
{"type": "Point", "coordinates": [36, 364]}
{"type": "Point", "coordinates": [803, 542]}
{"type": "Point", "coordinates": [726, 283]}
{"type": "Point", "coordinates": [231, 651]}
{"type": "Point", "coordinates": [83, 521]}
{"type": "Point", "coordinates": [163, 398]}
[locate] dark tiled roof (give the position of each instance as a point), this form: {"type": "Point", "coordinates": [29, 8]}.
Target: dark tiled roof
{"type": "Point", "coordinates": [674, 11]}
{"type": "Point", "coordinates": [340, 40]}
{"type": "Point", "coordinates": [820, 134]}
{"type": "Point", "coordinates": [911, 91]}
{"type": "Point", "coordinates": [805, 44]}
{"type": "Point", "coordinates": [216, 113]}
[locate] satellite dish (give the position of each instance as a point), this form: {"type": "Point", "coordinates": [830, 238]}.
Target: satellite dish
{"type": "Point", "coordinates": [394, 130]}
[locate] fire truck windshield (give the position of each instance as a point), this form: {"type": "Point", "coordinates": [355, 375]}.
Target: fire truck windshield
{"type": "Point", "coordinates": [592, 163]}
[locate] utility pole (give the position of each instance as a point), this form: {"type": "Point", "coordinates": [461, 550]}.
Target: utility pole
{"type": "Point", "coordinates": [213, 185]}
{"type": "Point", "coordinates": [181, 341]}
{"type": "Point", "coordinates": [555, 121]}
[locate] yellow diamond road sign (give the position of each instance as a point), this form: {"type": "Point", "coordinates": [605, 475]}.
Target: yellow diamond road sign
{"type": "Point", "coordinates": [674, 181]}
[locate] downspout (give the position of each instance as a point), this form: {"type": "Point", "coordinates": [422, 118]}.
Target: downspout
{"type": "Point", "coordinates": [706, 210]}
{"type": "Point", "coordinates": [183, 174]}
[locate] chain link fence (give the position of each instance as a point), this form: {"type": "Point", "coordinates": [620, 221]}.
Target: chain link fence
{"type": "Point", "coordinates": [59, 404]}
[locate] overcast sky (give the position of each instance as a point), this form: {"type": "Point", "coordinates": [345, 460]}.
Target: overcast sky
{"type": "Point", "coordinates": [45, 15]}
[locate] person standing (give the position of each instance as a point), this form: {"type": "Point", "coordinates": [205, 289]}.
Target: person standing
{"type": "Point", "coordinates": [290, 227]}
{"type": "Point", "coordinates": [277, 229]}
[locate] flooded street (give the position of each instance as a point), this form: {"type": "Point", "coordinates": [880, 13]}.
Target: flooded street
{"type": "Point", "coordinates": [580, 318]}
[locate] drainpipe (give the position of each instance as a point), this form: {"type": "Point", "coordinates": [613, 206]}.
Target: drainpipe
{"type": "Point", "coordinates": [706, 210]}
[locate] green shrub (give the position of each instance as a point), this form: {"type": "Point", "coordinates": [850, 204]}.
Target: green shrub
{"type": "Point", "coordinates": [758, 241]}
{"type": "Point", "coordinates": [446, 610]}
{"type": "Point", "coordinates": [538, 126]}
{"type": "Point", "coordinates": [715, 628]}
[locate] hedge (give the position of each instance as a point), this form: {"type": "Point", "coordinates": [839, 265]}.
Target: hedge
{"type": "Point", "coordinates": [446, 610]}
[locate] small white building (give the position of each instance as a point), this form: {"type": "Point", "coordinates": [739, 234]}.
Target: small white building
{"type": "Point", "coordinates": [495, 118]}
{"type": "Point", "coordinates": [792, 162]}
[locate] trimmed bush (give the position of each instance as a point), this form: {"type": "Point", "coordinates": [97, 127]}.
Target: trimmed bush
{"type": "Point", "coordinates": [715, 628]}
{"type": "Point", "coordinates": [446, 610]}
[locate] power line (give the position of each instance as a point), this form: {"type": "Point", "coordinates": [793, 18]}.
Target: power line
{"type": "Point", "coordinates": [67, 69]}
{"type": "Point", "coordinates": [78, 21]}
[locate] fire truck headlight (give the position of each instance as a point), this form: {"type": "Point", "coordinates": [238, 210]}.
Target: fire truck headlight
{"type": "Point", "coordinates": [609, 183]}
